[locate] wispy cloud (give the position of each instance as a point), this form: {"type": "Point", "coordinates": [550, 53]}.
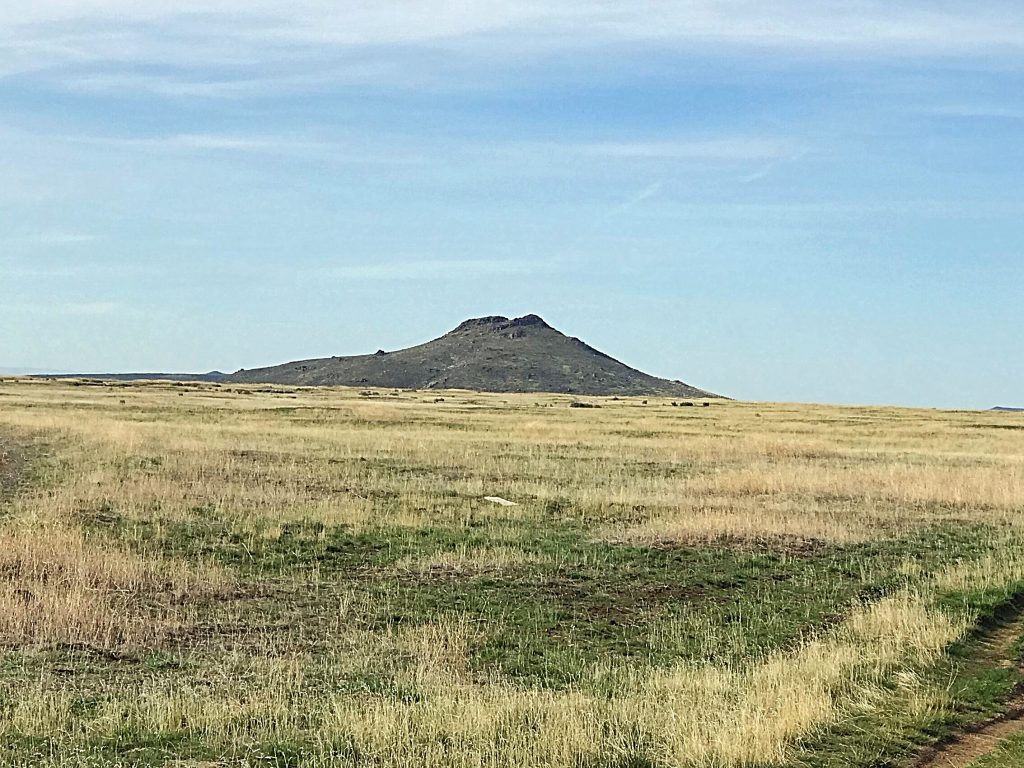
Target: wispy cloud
{"type": "Point", "coordinates": [69, 309]}
{"type": "Point", "coordinates": [229, 143]}
{"type": "Point", "coordinates": [637, 198]}
{"type": "Point", "coordinates": [55, 238]}
{"type": "Point", "coordinates": [981, 111]}
{"type": "Point", "coordinates": [405, 150]}
{"type": "Point", "coordinates": [64, 238]}
{"type": "Point", "coordinates": [373, 40]}
{"type": "Point", "coordinates": [247, 81]}
{"type": "Point", "coordinates": [559, 158]}
{"type": "Point", "coordinates": [39, 273]}
{"type": "Point", "coordinates": [771, 165]}
{"type": "Point", "coordinates": [742, 149]}
{"type": "Point", "coordinates": [90, 308]}
{"type": "Point", "coordinates": [881, 26]}
{"type": "Point", "coordinates": [435, 269]}
{"type": "Point", "coordinates": [288, 145]}
{"type": "Point", "coordinates": [32, 267]}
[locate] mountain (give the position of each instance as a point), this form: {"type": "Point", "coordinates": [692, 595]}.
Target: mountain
{"type": "Point", "coordinates": [490, 354]}
{"type": "Point", "coordinates": [1007, 410]}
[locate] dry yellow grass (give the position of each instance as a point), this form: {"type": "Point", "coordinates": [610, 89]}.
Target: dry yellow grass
{"type": "Point", "coordinates": [734, 473]}
{"type": "Point", "coordinates": [688, 715]}
{"type": "Point", "coordinates": [256, 462]}
{"type": "Point", "coordinates": [56, 586]}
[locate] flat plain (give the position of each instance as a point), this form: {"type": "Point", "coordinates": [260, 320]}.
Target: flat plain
{"type": "Point", "coordinates": [196, 574]}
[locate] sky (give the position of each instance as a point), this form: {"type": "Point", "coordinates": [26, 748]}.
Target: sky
{"type": "Point", "coordinates": [787, 201]}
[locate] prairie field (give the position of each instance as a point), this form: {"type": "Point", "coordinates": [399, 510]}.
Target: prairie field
{"type": "Point", "coordinates": [206, 575]}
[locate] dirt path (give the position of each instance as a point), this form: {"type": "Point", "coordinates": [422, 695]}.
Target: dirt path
{"type": "Point", "coordinates": [964, 747]}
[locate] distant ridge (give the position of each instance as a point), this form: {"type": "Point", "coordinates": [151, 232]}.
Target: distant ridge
{"type": "Point", "coordinates": [488, 354]}
{"type": "Point", "coordinates": [211, 376]}
{"type": "Point", "coordinates": [1008, 410]}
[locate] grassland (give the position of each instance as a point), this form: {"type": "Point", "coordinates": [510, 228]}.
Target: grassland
{"type": "Point", "coordinates": [196, 574]}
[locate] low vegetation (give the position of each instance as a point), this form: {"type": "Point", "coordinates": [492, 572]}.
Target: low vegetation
{"type": "Point", "coordinates": [203, 574]}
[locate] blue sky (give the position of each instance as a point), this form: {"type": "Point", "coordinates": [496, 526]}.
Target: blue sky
{"type": "Point", "coordinates": [798, 201]}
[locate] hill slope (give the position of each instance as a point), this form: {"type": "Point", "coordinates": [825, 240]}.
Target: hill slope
{"type": "Point", "coordinates": [490, 354]}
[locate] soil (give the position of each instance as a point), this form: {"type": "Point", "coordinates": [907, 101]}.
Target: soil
{"type": "Point", "coordinates": [964, 747]}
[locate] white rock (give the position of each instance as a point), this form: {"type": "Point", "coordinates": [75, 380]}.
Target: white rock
{"type": "Point", "coordinates": [499, 500]}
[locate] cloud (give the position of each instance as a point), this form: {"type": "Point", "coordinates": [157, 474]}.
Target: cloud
{"type": "Point", "coordinates": [372, 149]}
{"type": "Point", "coordinates": [636, 199]}
{"type": "Point", "coordinates": [981, 111]}
{"type": "Point", "coordinates": [226, 142]}
{"type": "Point", "coordinates": [56, 237]}
{"type": "Point", "coordinates": [65, 238]}
{"type": "Point", "coordinates": [90, 309]}
{"type": "Point", "coordinates": [873, 24]}
{"type": "Point", "coordinates": [287, 145]}
{"type": "Point", "coordinates": [252, 81]}
{"type": "Point", "coordinates": [229, 143]}
{"type": "Point", "coordinates": [435, 269]}
{"type": "Point", "coordinates": [70, 309]}
{"type": "Point", "coordinates": [250, 40]}
{"type": "Point", "coordinates": [45, 273]}
{"type": "Point", "coordinates": [741, 149]}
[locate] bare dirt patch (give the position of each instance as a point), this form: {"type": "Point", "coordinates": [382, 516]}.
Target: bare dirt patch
{"type": "Point", "coordinates": [964, 747]}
